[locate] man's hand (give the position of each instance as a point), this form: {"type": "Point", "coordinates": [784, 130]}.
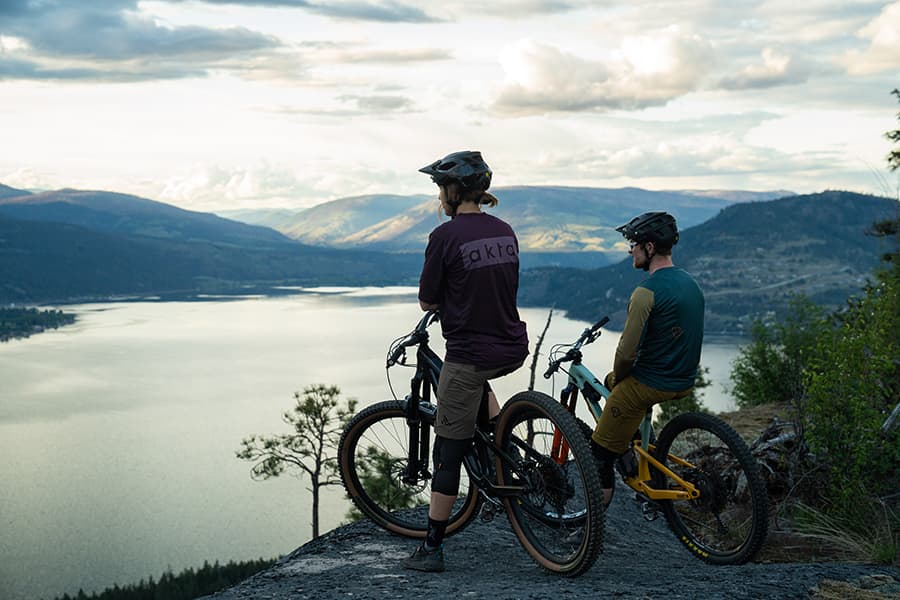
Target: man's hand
{"type": "Point", "coordinates": [610, 380]}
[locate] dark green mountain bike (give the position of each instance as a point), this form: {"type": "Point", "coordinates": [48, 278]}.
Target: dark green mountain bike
{"type": "Point", "coordinates": [554, 506]}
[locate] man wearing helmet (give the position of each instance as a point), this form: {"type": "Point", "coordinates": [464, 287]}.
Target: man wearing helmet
{"type": "Point", "coordinates": [659, 350]}
{"type": "Point", "coordinates": [471, 273]}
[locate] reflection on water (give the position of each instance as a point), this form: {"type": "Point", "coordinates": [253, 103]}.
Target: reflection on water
{"type": "Point", "coordinates": [118, 433]}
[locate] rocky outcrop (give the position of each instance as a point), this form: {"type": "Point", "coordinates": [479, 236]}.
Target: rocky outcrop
{"type": "Point", "coordinates": [641, 559]}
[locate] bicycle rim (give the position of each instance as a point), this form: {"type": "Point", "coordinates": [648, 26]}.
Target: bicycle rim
{"type": "Point", "coordinates": [727, 523]}
{"type": "Point", "coordinates": [373, 456]}
{"type": "Point", "coordinates": [559, 516]}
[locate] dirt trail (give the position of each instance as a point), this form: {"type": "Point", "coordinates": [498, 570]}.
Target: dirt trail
{"type": "Point", "coordinates": [641, 559]}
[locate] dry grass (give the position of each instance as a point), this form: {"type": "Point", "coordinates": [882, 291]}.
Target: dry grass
{"type": "Point", "coordinates": [800, 533]}
{"type": "Point", "coordinates": [751, 422]}
{"type": "Point", "coordinates": [829, 589]}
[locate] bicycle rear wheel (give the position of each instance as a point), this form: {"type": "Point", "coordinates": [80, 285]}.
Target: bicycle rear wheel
{"type": "Point", "coordinates": [374, 453]}
{"type": "Point", "coordinates": [727, 523]}
{"type": "Point", "coordinates": [559, 516]}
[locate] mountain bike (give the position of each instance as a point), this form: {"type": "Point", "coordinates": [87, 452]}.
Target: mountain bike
{"type": "Point", "coordinates": [699, 472]}
{"type": "Point", "coordinates": [554, 506]}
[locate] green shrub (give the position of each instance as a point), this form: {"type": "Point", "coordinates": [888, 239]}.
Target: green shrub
{"type": "Point", "coordinates": [853, 384]}
{"type": "Point", "coordinates": [770, 368]}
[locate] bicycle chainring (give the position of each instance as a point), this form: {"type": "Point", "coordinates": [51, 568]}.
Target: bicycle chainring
{"type": "Point", "coordinates": [547, 481]}
{"type": "Point", "coordinates": [712, 488]}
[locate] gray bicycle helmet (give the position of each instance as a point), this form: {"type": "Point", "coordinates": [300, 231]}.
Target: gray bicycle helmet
{"type": "Point", "coordinates": [465, 167]}
{"type": "Point", "coordinates": [656, 227]}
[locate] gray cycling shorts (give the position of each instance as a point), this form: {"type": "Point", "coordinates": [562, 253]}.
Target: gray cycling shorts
{"type": "Point", "coordinates": [459, 396]}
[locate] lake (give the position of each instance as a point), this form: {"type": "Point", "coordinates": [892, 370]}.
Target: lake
{"type": "Point", "coordinates": [118, 433]}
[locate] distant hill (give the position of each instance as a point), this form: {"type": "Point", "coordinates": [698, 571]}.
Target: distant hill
{"type": "Point", "coordinates": [58, 246]}
{"type": "Point", "coordinates": [554, 224]}
{"type": "Point", "coordinates": [749, 259]}
{"type": "Point", "coordinates": [57, 262]}
{"type": "Point", "coordinates": [124, 214]}
{"type": "Point", "coordinates": [8, 192]}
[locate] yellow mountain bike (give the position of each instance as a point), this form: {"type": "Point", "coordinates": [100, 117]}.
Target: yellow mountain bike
{"type": "Point", "coordinates": [699, 473]}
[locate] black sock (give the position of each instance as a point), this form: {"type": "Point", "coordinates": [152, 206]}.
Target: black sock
{"type": "Point", "coordinates": [435, 536]}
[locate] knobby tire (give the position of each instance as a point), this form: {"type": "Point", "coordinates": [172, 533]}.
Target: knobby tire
{"type": "Point", "coordinates": [559, 518]}
{"type": "Point", "coordinates": [727, 524]}
{"type": "Point", "coordinates": [373, 481]}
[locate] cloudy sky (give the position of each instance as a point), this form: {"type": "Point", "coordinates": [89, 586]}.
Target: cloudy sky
{"type": "Point", "coordinates": [221, 104]}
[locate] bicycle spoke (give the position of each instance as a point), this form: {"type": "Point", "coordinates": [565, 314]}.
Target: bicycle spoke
{"type": "Point", "coordinates": [556, 515]}
{"type": "Point", "coordinates": [374, 462]}
{"type": "Point", "coordinates": [726, 524]}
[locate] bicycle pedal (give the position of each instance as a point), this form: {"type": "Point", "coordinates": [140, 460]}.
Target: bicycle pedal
{"type": "Point", "coordinates": [650, 511]}
{"type": "Point", "coordinates": [488, 512]}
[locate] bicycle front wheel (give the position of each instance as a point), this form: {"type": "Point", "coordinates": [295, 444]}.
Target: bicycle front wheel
{"type": "Point", "coordinates": [727, 524]}
{"type": "Point", "coordinates": [558, 517]}
{"type": "Point", "coordinates": [374, 454]}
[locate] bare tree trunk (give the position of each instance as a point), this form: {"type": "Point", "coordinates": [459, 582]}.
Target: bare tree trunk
{"type": "Point", "coordinates": [537, 350]}
{"type": "Point", "coordinates": [315, 510]}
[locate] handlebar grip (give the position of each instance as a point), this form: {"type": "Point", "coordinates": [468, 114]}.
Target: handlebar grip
{"type": "Point", "coordinates": [600, 323]}
{"type": "Point", "coordinates": [395, 355]}
{"type": "Point", "coordinates": [549, 372]}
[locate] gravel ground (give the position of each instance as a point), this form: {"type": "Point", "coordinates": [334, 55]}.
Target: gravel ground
{"type": "Point", "coordinates": [641, 559]}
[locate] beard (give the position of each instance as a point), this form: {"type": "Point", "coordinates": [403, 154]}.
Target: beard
{"type": "Point", "coordinates": [641, 263]}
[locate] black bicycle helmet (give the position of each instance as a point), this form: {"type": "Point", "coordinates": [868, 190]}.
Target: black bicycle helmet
{"type": "Point", "coordinates": [656, 227]}
{"type": "Point", "coordinates": [465, 167]}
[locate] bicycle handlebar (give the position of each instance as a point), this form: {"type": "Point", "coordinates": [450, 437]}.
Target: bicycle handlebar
{"type": "Point", "coordinates": [587, 336]}
{"type": "Point", "coordinates": [416, 336]}
{"type": "Point", "coordinates": [596, 326]}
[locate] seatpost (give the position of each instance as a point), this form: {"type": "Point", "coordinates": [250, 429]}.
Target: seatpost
{"type": "Point", "coordinates": [646, 428]}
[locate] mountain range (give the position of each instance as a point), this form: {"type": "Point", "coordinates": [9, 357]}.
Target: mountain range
{"type": "Point", "coordinates": [70, 244]}
{"type": "Point", "coordinates": [555, 225]}
{"type": "Point", "coordinates": [750, 259]}
{"type": "Point", "coordinates": [749, 252]}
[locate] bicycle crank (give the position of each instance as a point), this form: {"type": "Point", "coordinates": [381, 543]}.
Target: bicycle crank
{"type": "Point", "coordinates": [490, 509]}
{"type": "Point", "coordinates": [649, 509]}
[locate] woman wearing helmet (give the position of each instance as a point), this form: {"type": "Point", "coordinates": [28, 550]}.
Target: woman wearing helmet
{"type": "Point", "coordinates": [659, 350]}
{"type": "Point", "coordinates": [471, 273]}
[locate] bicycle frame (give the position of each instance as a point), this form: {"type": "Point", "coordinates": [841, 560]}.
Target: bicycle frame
{"type": "Point", "coordinates": [581, 379]}
{"type": "Point", "coordinates": [422, 385]}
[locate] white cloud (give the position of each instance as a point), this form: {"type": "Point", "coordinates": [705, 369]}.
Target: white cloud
{"type": "Point", "coordinates": [31, 179]}
{"type": "Point", "coordinates": [276, 102]}
{"type": "Point", "coordinates": [645, 70]}
{"type": "Point", "coordinates": [9, 43]}
{"type": "Point", "coordinates": [776, 68]}
{"type": "Point", "coordinates": [883, 51]}
{"type": "Point", "coordinates": [209, 187]}
{"type": "Point", "coordinates": [204, 186]}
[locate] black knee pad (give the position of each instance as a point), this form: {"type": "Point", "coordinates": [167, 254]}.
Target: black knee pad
{"type": "Point", "coordinates": [605, 459]}
{"type": "Point", "coordinates": [448, 456]}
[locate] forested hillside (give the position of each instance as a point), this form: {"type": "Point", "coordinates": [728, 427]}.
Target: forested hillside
{"type": "Point", "coordinates": [750, 257]}
{"type": "Point", "coordinates": [749, 260]}
{"type": "Point", "coordinates": [52, 262]}
{"type": "Point", "coordinates": [124, 214]}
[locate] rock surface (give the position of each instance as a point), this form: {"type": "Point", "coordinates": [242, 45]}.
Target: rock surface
{"type": "Point", "coordinates": [641, 559]}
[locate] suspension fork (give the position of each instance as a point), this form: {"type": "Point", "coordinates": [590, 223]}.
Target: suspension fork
{"type": "Point", "coordinates": [560, 449]}
{"type": "Point", "coordinates": [419, 435]}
